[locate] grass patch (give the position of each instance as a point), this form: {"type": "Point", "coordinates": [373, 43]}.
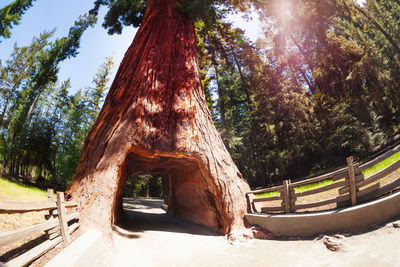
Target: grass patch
{"type": "Point", "coordinates": [315, 185]}
{"type": "Point", "coordinates": [13, 191]}
{"type": "Point", "coordinates": [382, 165]}
{"type": "Point", "coordinates": [268, 194]}
{"type": "Point", "coordinates": [301, 188]}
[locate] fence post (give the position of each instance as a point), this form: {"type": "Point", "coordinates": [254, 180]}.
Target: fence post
{"type": "Point", "coordinates": [352, 180]}
{"type": "Point", "coordinates": [250, 198]}
{"type": "Point", "coordinates": [286, 195]}
{"type": "Point", "coordinates": [292, 197]}
{"type": "Point", "coordinates": [50, 194]}
{"type": "Point", "coordinates": [62, 218]}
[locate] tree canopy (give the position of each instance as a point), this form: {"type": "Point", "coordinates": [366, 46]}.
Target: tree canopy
{"type": "Point", "coordinates": [11, 15]}
{"type": "Point", "coordinates": [320, 84]}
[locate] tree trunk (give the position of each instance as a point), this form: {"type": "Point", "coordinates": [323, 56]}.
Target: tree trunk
{"type": "Point", "coordinates": [155, 120]}
{"type": "Point", "coordinates": [4, 111]}
{"type": "Point", "coordinates": [32, 107]}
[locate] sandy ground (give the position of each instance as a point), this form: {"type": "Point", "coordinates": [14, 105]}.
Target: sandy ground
{"type": "Point", "coordinates": [147, 236]}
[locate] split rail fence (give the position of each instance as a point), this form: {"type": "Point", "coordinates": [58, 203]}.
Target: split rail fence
{"type": "Point", "coordinates": [56, 226]}
{"type": "Point", "coordinates": [354, 189]}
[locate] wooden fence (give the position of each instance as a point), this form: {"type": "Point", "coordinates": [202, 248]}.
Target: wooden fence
{"type": "Point", "coordinates": [355, 188]}
{"type": "Point", "coordinates": [56, 229]}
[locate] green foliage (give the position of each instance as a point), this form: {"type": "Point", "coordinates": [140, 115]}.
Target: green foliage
{"type": "Point", "coordinates": [318, 88]}
{"type": "Point", "coordinates": [321, 85]}
{"type": "Point", "coordinates": [80, 113]}
{"type": "Point", "coordinates": [60, 50]}
{"type": "Point", "coordinates": [199, 10]}
{"type": "Point", "coordinates": [11, 14]}
{"type": "Point", "coordinates": [42, 127]}
{"type": "Point", "coordinates": [130, 12]}
{"type": "Point", "coordinates": [143, 186]}
{"type": "Point", "coordinates": [121, 13]}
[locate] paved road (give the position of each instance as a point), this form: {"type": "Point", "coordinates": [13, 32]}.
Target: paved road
{"type": "Point", "coordinates": [147, 236]}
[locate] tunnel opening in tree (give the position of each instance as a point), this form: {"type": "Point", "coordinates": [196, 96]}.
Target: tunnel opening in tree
{"type": "Point", "coordinates": [186, 192]}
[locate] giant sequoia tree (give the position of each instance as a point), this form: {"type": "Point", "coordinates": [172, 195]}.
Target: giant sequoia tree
{"type": "Point", "coordinates": [155, 120]}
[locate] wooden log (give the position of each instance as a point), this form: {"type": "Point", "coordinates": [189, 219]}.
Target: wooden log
{"type": "Point", "coordinates": [251, 198]}
{"type": "Point", "coordinates": [49, 216]}
{"type": "Point", "coordinates": [16, 235]}
{"type": "Point", "coordinates": [25, 207]}
{"type": "Point", "coordinates": [52, 214]}
{"type": "Point", "coordinates": [381, 191]}
{"type": "Point", "coordinates": [50, 194]}
{"type": "Point", "coordinates": [346, 189]}
{"type": "Point", "coordinates": [322, 189]}
{"type": "Point", "coordinates": [360, 195]}
{"type": "Point", "coordinates": [14, 207]}
{"type": "Point", "coordinates": [320, 178]}
{"type": "Point", "coordinates": [379, 175]}
{"type": "Point", "coordinates": [53, 230]}
{"type": "Point", "coordinates": [360, 177]}
{"type": "Point", "coordinates": [340, 176]}
{"type": "Point", "coordinates": [323, 202]}
{"type": "Point", "coordinates": [368, 190]}
{"type": "Point", "coordinates": [265, 190]}
{"type": "Point", "coordinates": [269, 209]}
{"type": "Point", "coordinates": [62, 217]}
{"type": "Point", "coordinates": [292, 198]}
{"type": "Point", "coordinates": [286, 195]}
{"type": "Point", "coordinates": [373, 178]}
{"type": "Point", "coordinates": [72, 216]}
{"type": "Point", "coordinates": [380, 158]}
{"type": "Point", "coordinates": [266, 199]}
{"type": "Point", "coordinates": [352, 180]}
{"type": "Point", "coordinates": [71, 229]}
{"type": "Point", "coordinates": [34, 253]}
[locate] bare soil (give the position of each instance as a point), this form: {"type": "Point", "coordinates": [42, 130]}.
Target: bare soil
{"type": "Point", "coordinates": [147, 236]}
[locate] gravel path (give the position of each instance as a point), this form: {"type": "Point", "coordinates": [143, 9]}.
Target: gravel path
{"type": "Point", "coordinates": [147, 236]}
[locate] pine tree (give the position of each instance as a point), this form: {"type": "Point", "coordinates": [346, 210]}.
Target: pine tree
{"type": "Point", "coordinates": [11, 14]}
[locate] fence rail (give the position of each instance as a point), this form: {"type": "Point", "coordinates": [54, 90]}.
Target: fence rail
{"type": "Point", "coordinates": [56, 226]}
{"type": "Point", "coordinates": [354, 188]}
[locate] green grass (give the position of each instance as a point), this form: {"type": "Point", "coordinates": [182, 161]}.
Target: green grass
{"type": "Point", "coordinates": [13, 191]}
{"type": "Point", "coordinates": [300, 188]}
{"type": "Point", "coordinates": [319, 184]}
{"type": "Point", "coordinates": [382, 165]}
{"type": "Point", "coordinates": [368, 172]}
{"type": "Point", "coordinates": [268, 194]}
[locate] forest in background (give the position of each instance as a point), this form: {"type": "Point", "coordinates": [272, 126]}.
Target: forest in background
{"type": "Point", "coordinates": [320, 85]}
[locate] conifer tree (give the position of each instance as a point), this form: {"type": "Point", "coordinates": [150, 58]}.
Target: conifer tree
{"type": "Point", "coordinates": [156, 112]}
{"type": "Point", "coordinates": [11, 15]}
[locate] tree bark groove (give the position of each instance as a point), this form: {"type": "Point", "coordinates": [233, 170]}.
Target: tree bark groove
{"type": "Point", "coordinates": [155, 120]}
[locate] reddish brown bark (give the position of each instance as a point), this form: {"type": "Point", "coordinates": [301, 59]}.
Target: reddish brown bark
{"type": "Point", "coordinates": [155, 120]}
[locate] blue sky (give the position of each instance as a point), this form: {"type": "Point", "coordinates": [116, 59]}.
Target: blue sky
{"type": "Point", "coordinates": [96, 44]}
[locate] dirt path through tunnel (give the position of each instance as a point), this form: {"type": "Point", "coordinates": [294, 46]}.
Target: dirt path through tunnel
{"type": "Point", "coordinates": [147, 236]}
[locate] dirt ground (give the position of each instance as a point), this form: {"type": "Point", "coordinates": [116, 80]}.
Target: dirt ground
{"type": "Point", "coordinates": [147, 236]}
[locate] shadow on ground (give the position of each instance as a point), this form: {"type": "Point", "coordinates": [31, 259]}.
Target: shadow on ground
{"type": "Point", "coordinates": [143, 214]}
